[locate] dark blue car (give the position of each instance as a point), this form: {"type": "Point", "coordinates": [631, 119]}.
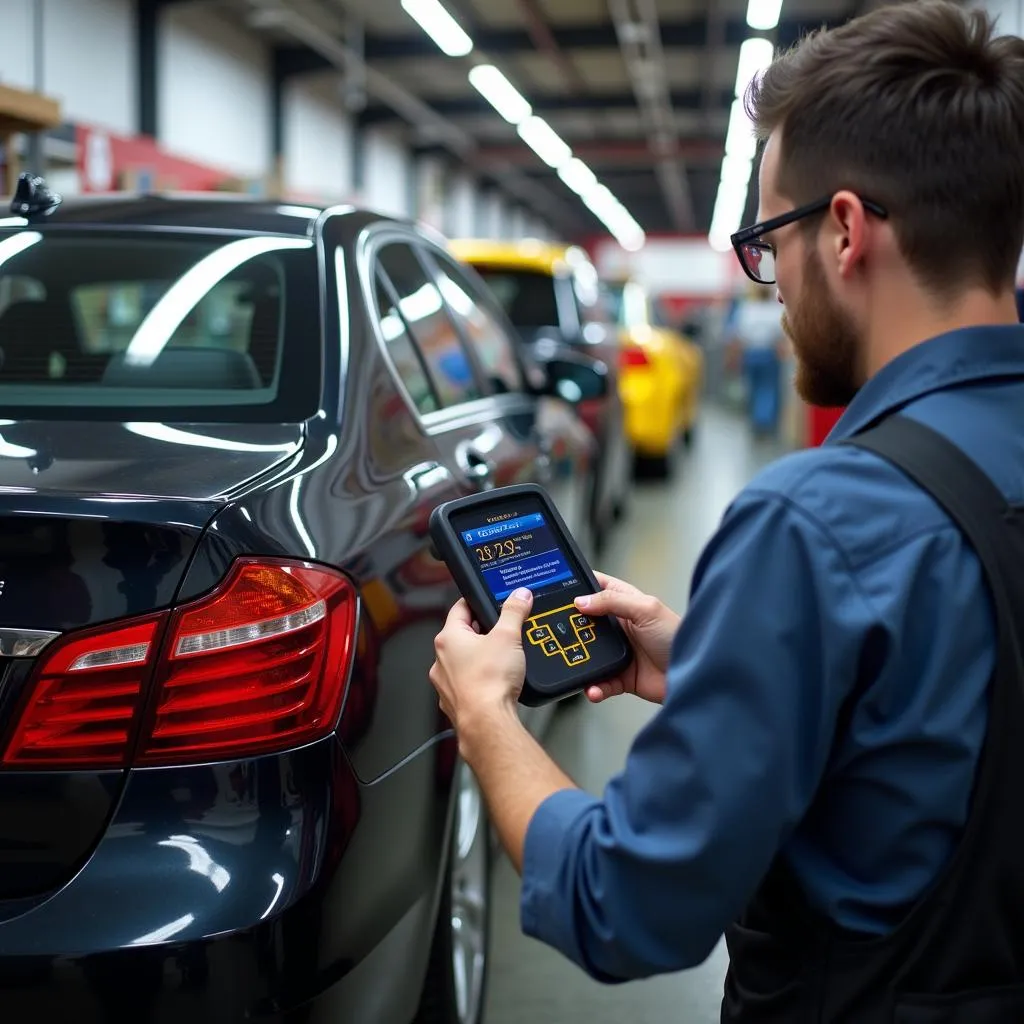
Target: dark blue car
{"type": "Point", "coordinates": [226, 791]}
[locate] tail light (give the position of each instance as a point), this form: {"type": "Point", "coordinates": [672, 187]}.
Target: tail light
{"type": "Point", "coordinates": [257, 666]}
{"type": "Point", "coordinates": [631, 355]}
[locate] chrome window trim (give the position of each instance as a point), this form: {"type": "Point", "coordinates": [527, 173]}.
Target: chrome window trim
{"type": "Point", "coordinates": [24, 643]}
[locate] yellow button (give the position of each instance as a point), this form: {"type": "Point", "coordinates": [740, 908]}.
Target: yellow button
{"type": "Point", "coordinates": [575, 654]}
{"type": "Point", "coordinates": [540, 634]}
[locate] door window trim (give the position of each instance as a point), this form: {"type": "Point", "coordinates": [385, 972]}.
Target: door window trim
{"type": "Point", "coordinates": [487, 407]}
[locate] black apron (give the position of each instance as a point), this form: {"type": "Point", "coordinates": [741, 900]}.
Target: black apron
{"type": "Point", "coordinates": [958, 955]}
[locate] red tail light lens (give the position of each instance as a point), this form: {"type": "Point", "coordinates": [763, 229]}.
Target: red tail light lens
{"type": "Point", "coordinates": [259, 665]}
{"type": "Point", "coordinates": [85, 699]}
{"type": "Point", "coordinates": [631, 355]}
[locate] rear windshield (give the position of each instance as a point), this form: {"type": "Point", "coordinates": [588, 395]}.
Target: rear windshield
{"type": "Point", "coordinates": [527, 296]}
{"type": "Point", "coordinates": [134, 325]}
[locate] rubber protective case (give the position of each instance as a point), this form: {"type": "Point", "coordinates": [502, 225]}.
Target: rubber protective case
{"type": "Point", "coordinates": [537, 690]}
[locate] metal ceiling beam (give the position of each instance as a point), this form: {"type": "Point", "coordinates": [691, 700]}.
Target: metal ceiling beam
{"type": "Point", "coordinates": [551, 103]}
{"type": "Point", "coordinates": [639, 31]}
{"type": "Point", "coordinates": [429, 124]}
{"type": "Point", "coordinates": [544, 41]}
{"type": "Point", "coordinates": [688, 33]}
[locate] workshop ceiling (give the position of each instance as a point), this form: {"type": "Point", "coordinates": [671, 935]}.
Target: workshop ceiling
{"type": "Point", "coordinates": [569, 60]}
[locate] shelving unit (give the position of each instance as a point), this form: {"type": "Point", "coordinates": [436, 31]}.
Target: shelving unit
{"type": "Point", "coordinates": [22, 111]}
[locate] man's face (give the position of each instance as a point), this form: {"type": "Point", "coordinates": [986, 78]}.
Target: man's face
{"type": "Point", "coordinates": [826, 339]}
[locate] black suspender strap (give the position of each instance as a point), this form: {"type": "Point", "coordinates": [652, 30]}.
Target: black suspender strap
{"type": "Point", "coordinates": [967, 494]}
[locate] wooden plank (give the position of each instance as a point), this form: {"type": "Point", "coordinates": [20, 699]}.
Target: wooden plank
{"type": "Point", "coordinates": [22, 111]}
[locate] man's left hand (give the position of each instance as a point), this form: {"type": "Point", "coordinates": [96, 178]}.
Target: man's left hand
{"type": "Point", "coordinates": [478, 676]}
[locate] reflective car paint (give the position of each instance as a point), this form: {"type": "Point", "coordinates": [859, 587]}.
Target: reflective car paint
{"type": "Point", "coordinates": [282, 887]}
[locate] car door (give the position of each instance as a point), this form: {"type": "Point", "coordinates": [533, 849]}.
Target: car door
{"type": "Point", "coordinates": [565, 449]}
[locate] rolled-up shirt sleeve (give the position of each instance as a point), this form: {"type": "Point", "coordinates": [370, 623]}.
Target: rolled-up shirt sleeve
{"type": "Point", "coordinates": [645, 879]}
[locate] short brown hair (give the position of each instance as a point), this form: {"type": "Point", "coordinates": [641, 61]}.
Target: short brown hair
{"type": "Point", "coordinates": [920, 107]}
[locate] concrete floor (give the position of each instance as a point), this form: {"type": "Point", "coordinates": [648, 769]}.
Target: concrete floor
{"type": "Point", "coordinates": [656, 549]}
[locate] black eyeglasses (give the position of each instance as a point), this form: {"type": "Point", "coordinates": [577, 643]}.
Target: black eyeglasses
{"type": "Point", "coordinates": [757, 258]}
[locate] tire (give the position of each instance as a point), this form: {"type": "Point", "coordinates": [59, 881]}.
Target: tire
{"type": "Point", "coordinates": [456, 984]}
{"type": "Point", "coordinates": [653, 467]}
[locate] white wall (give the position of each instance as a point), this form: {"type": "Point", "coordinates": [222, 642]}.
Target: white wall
{"type": "Point", "coordinates": [1010, 14]}
{"type": "Point", "coordinates": [386, 171]}
{"type": "Point", "coordinates": [460, 203]}
{"type": "Point", "coordinates": [317, 140]}
{"type": "Point", "coordinates": [88, 57]}
{"type": "Point", "coordinates": [491, 220]}
{"type": "Point", "coordinates": [214, 85]}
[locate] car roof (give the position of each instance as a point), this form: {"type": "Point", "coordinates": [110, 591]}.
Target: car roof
{"type": "Point", "coordinates": [528, 254]}
{"type": "Point", "coordinates": [204, 211]}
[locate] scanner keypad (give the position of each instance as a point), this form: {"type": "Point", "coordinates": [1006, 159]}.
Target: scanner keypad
{"type": "Point", "coordinates": [564, 632]}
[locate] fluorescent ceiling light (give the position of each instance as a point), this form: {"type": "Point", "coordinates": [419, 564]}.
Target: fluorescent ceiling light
{"type": "Point", "coordinates": [500, 93]}
{"type": "Point", "coordinates": [719, 240]}
{"type": "Point", "coordinates": [440, 26]}
{"type": "Point", "coordinates": [756, 54]}
{"type": "Point", "coordinates": [578, 176]}
{"type": "Point", "coordinates": [736, 171]}
{"type": "Point", "coordinates": [740, 140]}
{"type": "Point", "coordinates": [729, 206]}
{"type": "Point", "coordinates": [543, 140]}
{"type": "Point", "coordinates": [763, 15]}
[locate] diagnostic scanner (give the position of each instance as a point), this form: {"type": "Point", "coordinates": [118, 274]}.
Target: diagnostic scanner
{"type": "Point", "coordinates": [510, 537]}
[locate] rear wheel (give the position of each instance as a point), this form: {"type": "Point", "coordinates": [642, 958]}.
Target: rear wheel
{"type": "Point", "coordinates": [456, 982]}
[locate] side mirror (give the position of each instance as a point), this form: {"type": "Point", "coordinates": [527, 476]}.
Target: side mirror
{"type": "Point", "coordinates": [577, 380]}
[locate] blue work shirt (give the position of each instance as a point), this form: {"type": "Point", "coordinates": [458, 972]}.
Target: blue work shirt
{"type": "Point", "coordinates": [831, 574]}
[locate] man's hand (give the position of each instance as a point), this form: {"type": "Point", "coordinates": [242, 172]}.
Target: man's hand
{"type": "Point", "coordinates": [479, 679]}
{"type": "Point", "coordinates": [480, 676]}
{"type": "Point", "coordinates": [651, 628]}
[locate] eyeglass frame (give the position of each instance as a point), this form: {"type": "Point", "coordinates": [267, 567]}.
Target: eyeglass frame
{"type": "Point", "coordinates": [750, 234]}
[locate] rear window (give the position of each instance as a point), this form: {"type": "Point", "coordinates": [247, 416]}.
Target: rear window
{"type": "Point", "coordinates": [527, 296]}
{"type": "Point", "coordinates": [127, 325]}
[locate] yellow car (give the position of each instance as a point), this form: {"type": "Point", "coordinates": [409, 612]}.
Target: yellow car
{"type": "Point", "coordinates": [661, 373]}
{"type": "Point", "coordinates": [552, 296]}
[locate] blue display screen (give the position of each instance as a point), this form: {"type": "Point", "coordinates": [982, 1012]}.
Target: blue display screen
{"type": "Point", "coordinates": [519, 551]}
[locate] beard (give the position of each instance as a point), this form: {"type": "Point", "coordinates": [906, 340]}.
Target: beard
{"type": "Point", "coordinates": [826, 342]}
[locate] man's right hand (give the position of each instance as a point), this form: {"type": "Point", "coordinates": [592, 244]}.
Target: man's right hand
{"type": "Point", "coordinates": [650, 626]}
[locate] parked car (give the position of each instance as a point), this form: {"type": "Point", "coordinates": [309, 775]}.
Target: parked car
{"type": "Point", "coordinates": [552, 296]}
{"type": "Point", "coordinates": [661, 374]}
{"type": "Point", "coordinates": [226, 789]}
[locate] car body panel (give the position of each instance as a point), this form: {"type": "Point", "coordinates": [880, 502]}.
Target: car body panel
{"type": "Point", "coordinates": [275, 888]}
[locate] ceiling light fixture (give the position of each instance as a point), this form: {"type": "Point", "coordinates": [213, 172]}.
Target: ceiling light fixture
{"type": "Point", "coordinates": [756, 54]}
{"type": "Point", "coordinates": [435, 20]}
{"type": "Point", "coordinates": [544, 141]}
{"type": "Point", "coordinates": [500, 93]}
{"type": "Point", "coordinates": [763, 15]}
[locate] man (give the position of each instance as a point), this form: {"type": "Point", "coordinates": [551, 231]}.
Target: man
{"type": "Point", "coordinates": [758, 330]}
{"type": "Point", "coordinates": [832, 777]}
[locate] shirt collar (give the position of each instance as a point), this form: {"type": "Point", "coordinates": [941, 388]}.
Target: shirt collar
{"type": "Point", "coordinates": [959, 357]}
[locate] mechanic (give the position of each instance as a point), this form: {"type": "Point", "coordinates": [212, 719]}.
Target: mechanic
{"type": "Point", "coordinates": [813, 785]}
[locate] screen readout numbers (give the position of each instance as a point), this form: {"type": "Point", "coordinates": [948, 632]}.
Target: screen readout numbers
{"type": "Point", "coordinates": [518, 552]}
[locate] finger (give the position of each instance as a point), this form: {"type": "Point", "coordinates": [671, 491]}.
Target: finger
{"type": "Point", "coordinates": [514, 611]}
{"type": "Point", "coordinates": [612, 583]}
{"type": "Point", "coordinates": [460, 617]}
{"type": "Point", "coordinates": [633, 607]}
{"type": "Point", "coordinates": [602, 691]}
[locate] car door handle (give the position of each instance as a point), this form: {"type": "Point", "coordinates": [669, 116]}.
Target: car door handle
{"type": "Point", "coordinates": [477, 467]}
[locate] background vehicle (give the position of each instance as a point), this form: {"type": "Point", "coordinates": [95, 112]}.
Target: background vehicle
{"type": "Point", "coordinates": [660, 378]}
{"type": "Point", "coordinates": [226, 788]}
{"type": "Point", "coordinates": [552, 296]}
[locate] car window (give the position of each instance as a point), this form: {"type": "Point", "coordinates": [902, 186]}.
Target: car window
{"type": "Point", "coordinates": [107, 323]}
{"type": "Point", "coordinates": [484, 331]}
{"type": "Point", "coordinates": [423, 311]}
{"type": "Point", "coordinates": [402, 349]}
{"type": "Point", "coordinates": [527, 296]}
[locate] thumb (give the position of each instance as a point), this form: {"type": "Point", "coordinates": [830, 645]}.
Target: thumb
{"type": "Point", "coordinates": [514, 611]}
